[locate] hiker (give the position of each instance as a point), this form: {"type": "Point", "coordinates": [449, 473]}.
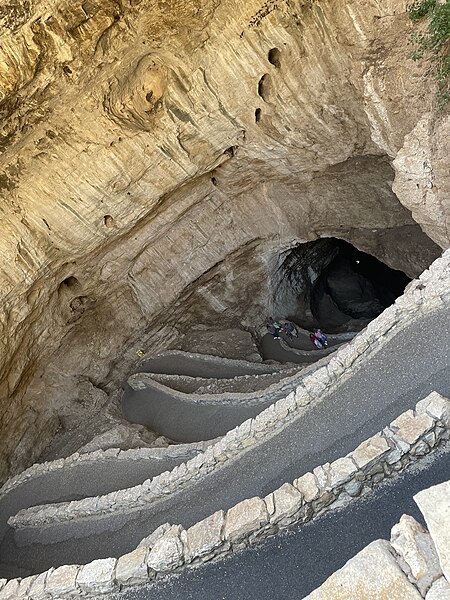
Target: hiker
{"type": "Point", "coordinates": [316, 342]}
{"type": "Point", "coordinates": [290, 330]}
{"type": "Point", "coordinates": [274, 328]}
{"type": "Point", "coordinates": [321, 337]}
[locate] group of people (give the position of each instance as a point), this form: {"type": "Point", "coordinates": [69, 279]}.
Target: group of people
{"type": "Point", "coordinates": [318, 338]}
{"type": "Point", "coordinates": [275, 328]}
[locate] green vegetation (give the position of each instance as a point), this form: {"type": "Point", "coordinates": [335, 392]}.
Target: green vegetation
{"type": "Point", "coordinates": [434, 42]}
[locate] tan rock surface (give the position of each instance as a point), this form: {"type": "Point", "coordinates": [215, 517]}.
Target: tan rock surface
{"type": "Point", "coordinates": [434, 504]}
{"type": "Point", "coordinates": [411, 427]}
{"type": "Point", "coordinates": [167, 552]}
{"type": "Point", "coordinates": [415, 545]}
{"type": "Point", "coordinates": [244, 518]}
{"type": "Point", "coordinates": [440, 590]}
{"type": "Point", "coordinates": [372, 574]}
{"type": "Point", "coordinates": [139, 185]}
{"type": "Point", "coordinates": [370, 451]}
{"type": "Point", "coordinates": [206, 535]}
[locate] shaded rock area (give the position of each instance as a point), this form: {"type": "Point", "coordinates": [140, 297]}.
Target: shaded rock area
{"type": "Point", "coordinates": [229, 343]}
{"type": "Point", "coordinates": [333, 285]}
{"type": "Point", "coordinates": [98, 424]}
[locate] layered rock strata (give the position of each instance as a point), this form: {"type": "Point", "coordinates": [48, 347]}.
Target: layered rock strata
{"type": "Point", "coordinates": [156, 159]}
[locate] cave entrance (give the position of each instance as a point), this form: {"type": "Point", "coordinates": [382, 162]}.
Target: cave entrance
{"type": "Point", "coordinates": [331, 284]}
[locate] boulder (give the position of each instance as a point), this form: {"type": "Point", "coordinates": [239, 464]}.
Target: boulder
{"type": "Point", "coordinates": [373, 574]}
{"type": "Point", "coordinates": [414, 544]}
{"type": "Point", "coordinates": [434, 503]}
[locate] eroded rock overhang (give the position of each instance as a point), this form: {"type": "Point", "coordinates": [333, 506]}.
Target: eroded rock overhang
{"type": "Point", "coordinates": [156, 162]}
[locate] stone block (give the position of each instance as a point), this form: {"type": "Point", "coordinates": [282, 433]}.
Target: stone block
{"type": "Point", "coordinates": [245, 518]}
{"type": "Point", "coordinates": [24, 587]}
{"type": "Point", "coordinates": [307, 486]}
{"type": "Point", "coordinates": [62, 581]}
{"type": "Point", "coordinates": [414, 544]}
{"type": "Point", "coordinates": [420, 448]}
{"type": "Point", "coordinates": [370, 451]}
{"type": "Point", "coordinates": [410, 427]}
{"type": "Point", "coordinates": [434, 504]}
{"type": "Point", "coordinates": [131, 568]}
{"type": "Point", "coordinates": [167, 553]}
{"type": "Point", "coordinates": [440, 590]}
{"type": "Point", "coordinates": [437, 406]}
{"type": "Point", "coordinates": [11, 590]}
{"type": "Point", "coordinates": [321, 474]}
{"type": "Point", "coordinates": [373, 574]}
{"type": "Point", "coordinates": [288, 500]}
{"type": "Point", "coordinates": [150, 540]}
{"type": "Point", "coordinates": [206, 535]}
{"type": "Point", "coordinates": [37, 588]}
{"type": "Point", "coordinates": [302, 397]}
{"type": "Point", "coordinates": [97, 577]}
{"type": "Point", "coordinates": [400, 447]}
{"type": "Point", "coordinates": [270, 503]}
{"type": "Point", "coordinates": [341, 471]}
{"type": "Point", "coordinates": [353, 488]}
{"type": "Point", "coordinates": [317, 382]}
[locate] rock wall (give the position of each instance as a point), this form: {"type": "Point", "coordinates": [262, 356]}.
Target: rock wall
{"type": "Point", "coordinates": [157, 158]}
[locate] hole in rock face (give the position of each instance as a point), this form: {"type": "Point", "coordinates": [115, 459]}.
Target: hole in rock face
{"type": "Point", "coordinates": [231, 151]}
{"type": "Point", "coordinates": [332, 285]}
{"type": "Point", "coordinates": [265, 87]}
{"type": "Point", "coordinates": [108, 221]}
{"type": "Point", "coordinates": [257, 115]}
{"type": "Point", "coordinates": [274, 57]}
{"type": "Point", "coordinates": [70, 283]}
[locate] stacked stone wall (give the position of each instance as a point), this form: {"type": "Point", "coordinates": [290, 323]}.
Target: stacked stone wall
{"type": "Point", "coordinates": [171, 548]}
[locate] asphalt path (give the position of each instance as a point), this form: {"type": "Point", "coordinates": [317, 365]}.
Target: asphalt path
{"type": "Point", "coordinates": [83, 479]}
{"type": "Point", "coordinates": [183, 420]}
{"type": "Point", "coordinates": [201, 366]}
{"type": "Point", "coordinates": [272, 349]}
{"type": "Point", "coordinates": [406, 369]}
{"type": "Point", "coordinates": [290, 565]}
{"type": "Point", "coordinates": [176, 416]}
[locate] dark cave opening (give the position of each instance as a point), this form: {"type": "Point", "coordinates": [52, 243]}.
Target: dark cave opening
{"type": "Point", "coordinates": [331, 284]}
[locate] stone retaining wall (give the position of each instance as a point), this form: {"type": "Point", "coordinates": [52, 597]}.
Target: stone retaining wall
{"type": "Point", "coordinates": [143, 380]}
{"type": "Point", "coordinates": [37, 470]}
{"type": "Point", "coordinates": [201, 385]}
{"type": "Point", "coordinates": [171, 548]}
{"type": "Point", "coordinates": [246, 366]}
{"type": "Point", "coordinates": [430, 292]}
{"type": "Point", "coordinates": [413, 565]}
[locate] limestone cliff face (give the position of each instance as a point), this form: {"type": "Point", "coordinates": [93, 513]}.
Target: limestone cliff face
{"type": "Point", "coordinates": [158, 156]}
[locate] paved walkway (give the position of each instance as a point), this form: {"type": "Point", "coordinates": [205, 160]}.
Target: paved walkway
{"type": "Point", "coordinates": [186, 418]}
{"type": "Point", "coordinates": [289, 566]}
{"type": "Point", "coordinates": [405, 370]}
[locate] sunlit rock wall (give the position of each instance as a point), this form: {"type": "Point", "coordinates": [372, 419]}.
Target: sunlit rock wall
{"type": "Point", "coordinates": [156, 158]}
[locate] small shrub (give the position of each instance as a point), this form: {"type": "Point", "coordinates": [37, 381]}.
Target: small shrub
{"type": "Point", "coordinates": [434, 42]}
